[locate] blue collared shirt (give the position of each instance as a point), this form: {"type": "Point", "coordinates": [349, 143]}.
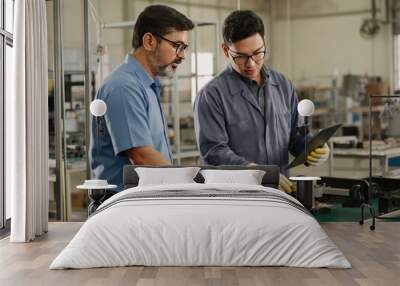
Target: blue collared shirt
{"type": "Point", "coordinates": [134, 118]}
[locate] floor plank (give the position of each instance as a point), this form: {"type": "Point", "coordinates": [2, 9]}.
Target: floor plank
{"type": "Point", "coordinates": [375, 257]}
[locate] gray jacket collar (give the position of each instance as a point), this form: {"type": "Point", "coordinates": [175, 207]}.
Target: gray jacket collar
{"type": "Point", "coordinates": [236, 84]}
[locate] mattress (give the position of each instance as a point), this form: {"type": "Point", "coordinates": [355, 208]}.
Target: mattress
{"type": "Point", "coordinates": [201, 225]}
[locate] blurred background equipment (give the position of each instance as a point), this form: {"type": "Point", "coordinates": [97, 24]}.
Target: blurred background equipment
{"type": "Point", "coordinates": [336, 53]}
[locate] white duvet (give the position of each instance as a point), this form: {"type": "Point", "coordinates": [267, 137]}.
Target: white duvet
{"type": "Point", "coordinates": [188, 231]}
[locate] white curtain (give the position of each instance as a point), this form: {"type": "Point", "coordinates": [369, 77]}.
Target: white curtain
{"type": "Point", "coordinates": [27, 124]}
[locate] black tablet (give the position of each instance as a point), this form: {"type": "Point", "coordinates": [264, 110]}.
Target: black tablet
{"type": "Point", "coordinates": [316, 141]}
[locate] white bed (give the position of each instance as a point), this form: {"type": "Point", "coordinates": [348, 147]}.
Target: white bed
{"type": "Point", "coordinates": [248, 226]}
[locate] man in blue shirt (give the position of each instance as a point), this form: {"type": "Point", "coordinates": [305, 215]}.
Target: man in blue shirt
{"type": "Point", "coordinates": [134, 129]}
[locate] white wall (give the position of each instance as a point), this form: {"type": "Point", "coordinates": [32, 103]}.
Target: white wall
{"type": "Point", "coordinates": [72, 21]}
{"type": "Point", "coordinates": [320, 37]}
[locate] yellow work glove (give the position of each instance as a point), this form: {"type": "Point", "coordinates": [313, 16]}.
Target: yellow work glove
{"type": "Point", "coordinates": [285, 184]}
{"type": "Point", "coordinates": [318, 156]}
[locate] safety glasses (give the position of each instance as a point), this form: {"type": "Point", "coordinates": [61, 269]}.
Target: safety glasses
{"type": "Point", "coordinates": [241, 59]}
{"type": "Point", "coordinates": [179, 46]}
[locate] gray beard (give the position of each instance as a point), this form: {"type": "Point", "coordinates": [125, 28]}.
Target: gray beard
{"type": "Point", "coordinates": [165, 70]}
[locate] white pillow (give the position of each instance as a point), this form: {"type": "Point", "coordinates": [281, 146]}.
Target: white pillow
{"type": "Point", "coordinates": [248, 177]}
{"type": "Point", "coordinates": [164, 176]}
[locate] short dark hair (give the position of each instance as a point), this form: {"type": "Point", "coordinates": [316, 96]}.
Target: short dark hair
{"type": "Point", "coordinates": [240, 25]}
{"type": "Point", "coordinates": [159, 20]}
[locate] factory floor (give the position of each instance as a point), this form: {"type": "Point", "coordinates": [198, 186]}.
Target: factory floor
{"type": "Point", "coordinates": [346, 168]}
{"type": "Point", "coordinates": [374, 255]}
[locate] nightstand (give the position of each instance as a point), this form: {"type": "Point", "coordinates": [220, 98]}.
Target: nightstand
{"type": "Point", "coordinates": [98, 192]}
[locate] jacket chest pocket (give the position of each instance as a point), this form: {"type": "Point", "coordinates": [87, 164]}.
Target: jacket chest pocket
{"type": "Point", "coordinates": [240, 135]}
{"type": "Point", "coordinates": [283, 128]}
{"type": "Point", "coordinates": [239, 128]}
{"type": "Point", "coordinates": [238, 110]}
{"type": "Point", "coordinates": [238, 116]}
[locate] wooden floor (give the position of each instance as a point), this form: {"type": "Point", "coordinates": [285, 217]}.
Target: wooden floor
{"type": "Point", "coordinates": [375, 256]}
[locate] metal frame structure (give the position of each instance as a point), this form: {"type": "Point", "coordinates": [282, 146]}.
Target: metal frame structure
{"type": "Point", "coordinates": [180, 154]}
{"type": "Point", "coordinates": [6, 39]}
{"type": "Point", "coordinates": [59, 115]}
{"type": "Point", "coordinates": [2, 57]}
{"type": "Point", "coordinates": [87, 98]}
{"type": "Point", "coordinates": [61, 193]}
{"type": "Point", "coordinates": [372, 187]}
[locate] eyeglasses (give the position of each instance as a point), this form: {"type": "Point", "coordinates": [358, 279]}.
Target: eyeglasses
{"type": "Point", "coordinates": [179, 47]}
{"type": "Point", "coordinates": [241, 59]}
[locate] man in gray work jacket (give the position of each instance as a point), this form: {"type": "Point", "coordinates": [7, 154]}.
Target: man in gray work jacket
{"type": "Point", "coordinates": [248, 113]}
